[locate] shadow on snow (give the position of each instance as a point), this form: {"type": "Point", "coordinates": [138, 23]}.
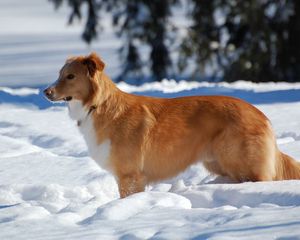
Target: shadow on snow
{"type": "Point", "coordinates": [276, 96]}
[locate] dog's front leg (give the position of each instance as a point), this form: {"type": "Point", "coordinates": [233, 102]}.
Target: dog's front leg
{"type": "Point", "coordinates": [130, 184]}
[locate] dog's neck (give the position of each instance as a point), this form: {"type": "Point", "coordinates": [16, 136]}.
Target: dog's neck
{"type": "Point", "coordinates": [110, 109]}
{"type": "Point", "coordinates": [77, 111]}
{"type": "Point", "coordinates": [107, 104]}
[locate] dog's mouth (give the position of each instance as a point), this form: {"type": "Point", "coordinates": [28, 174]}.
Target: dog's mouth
{"type": "Point", "coordinates": [67, 99]}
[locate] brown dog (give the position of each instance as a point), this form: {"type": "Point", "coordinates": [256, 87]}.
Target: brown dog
{"type": "Point", "coordinates": [143, 139]}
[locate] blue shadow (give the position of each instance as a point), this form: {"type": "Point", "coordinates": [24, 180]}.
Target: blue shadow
{"type": "Point", "coordinates": [278, 96]}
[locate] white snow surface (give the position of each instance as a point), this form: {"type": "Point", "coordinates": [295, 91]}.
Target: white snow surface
{"type": "Point", "coordinates": [51, 189]}
{"type": "Point", "coordinates": [172, 86]}
{"type": "Point", "coordinates": [25, 91]}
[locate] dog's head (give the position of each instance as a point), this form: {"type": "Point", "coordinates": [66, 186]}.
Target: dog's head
{"type": "Point", "coordinates": [76, 79]}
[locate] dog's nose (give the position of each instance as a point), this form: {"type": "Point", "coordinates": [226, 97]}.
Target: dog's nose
{"type": "Point", "coordinates": [49, 92]}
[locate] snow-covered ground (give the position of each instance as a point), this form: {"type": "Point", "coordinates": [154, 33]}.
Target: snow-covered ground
{"type": "Point", "coordinates": [51, 189]}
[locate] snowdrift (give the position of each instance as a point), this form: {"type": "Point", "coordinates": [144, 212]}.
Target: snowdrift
{"type": "Point", "coordinates": [51, 189]}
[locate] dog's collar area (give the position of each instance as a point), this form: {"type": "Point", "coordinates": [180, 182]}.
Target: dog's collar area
{"type": "Point", "coordinates": [92, 108]}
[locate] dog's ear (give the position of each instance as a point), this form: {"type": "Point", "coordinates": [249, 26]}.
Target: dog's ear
{"type": "Point", "coordinates": [70, 59]}
{"type": "Point", "coordinates": [93, 63]}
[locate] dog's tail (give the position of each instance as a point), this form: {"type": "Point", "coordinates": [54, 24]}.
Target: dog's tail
{"type": "Point", "coordinates": [287, 167]}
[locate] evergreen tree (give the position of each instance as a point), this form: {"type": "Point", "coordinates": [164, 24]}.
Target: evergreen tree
{"type": "Point", "coordinates": [128, 25]}
{"type": "Point", "coordinates": [254, 40]}
{"type": "Point", "coordinates": [145, 24]}
{"type": "Point", "coordinates": [90, 30]}
{"type": "Point", "coordinates": [141, 23]}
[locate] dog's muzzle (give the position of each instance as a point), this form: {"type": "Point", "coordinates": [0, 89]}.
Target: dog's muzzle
{"type": "Point", "coordinates": [49, 93]}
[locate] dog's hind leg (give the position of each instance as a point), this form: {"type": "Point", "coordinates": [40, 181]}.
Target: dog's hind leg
{"type": "Point", "coordinates": [247, 157]}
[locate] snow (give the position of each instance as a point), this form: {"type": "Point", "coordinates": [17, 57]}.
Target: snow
{"type": "Point", "coordinates": [172, 86]}
{"type": "Point", "coordinates": [35, 42]}
{"type": "Point", "coordinates": [51, 189]}
{"type": "Point", "coordinates": [20, 91]}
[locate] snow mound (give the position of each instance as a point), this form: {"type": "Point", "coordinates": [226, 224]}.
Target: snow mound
{"type": "Point", "coordinates": [173, 86]}
{"type": "Point", "coordinates": [123, 209]}
{"type": "Point", "coordinates": [20, 91]}
{"type": "Point", "coordinates": [252, 195]}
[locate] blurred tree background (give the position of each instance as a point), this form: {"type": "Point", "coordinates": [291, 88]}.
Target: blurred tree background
{"type": "Point", "coordinates": [255, 40]}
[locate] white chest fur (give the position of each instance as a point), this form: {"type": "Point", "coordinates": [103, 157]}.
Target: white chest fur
{"type": "Point", "coordinates": [100, 152]}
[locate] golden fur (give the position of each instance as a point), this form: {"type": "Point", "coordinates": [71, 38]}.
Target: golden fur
{"type": "Point", "coordinates": [154, 138]}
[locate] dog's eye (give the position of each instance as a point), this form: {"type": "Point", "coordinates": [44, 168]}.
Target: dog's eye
{"type": "Point", "coordinates": [70, 76]}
